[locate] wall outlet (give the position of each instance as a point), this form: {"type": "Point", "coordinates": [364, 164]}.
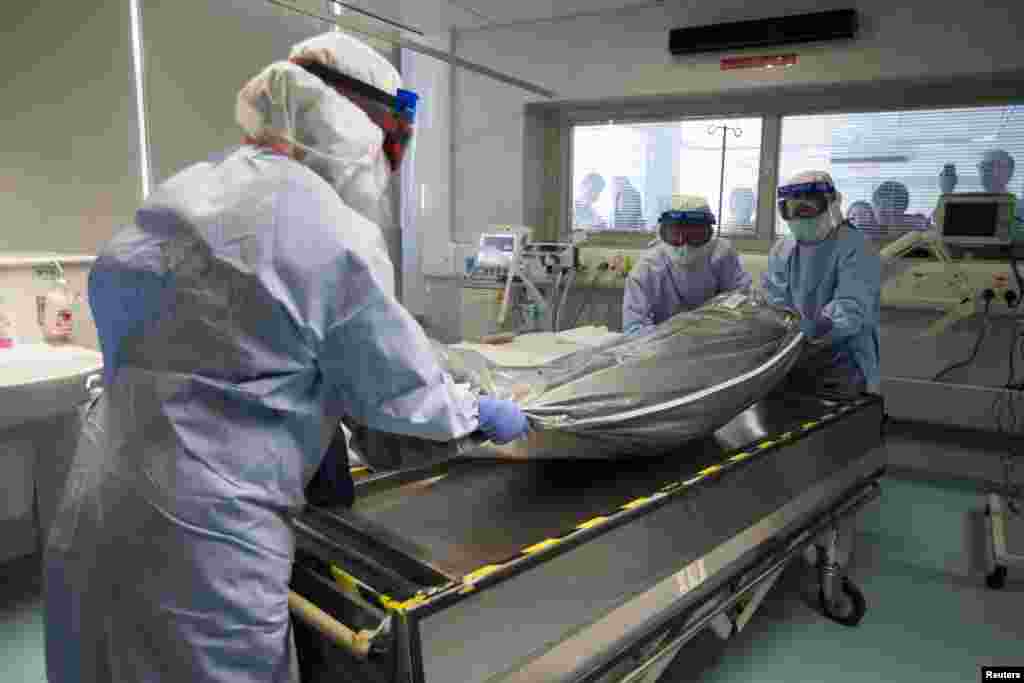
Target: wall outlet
{"type": "Point", "coordinates": [463, 252]}
{"type": "Point", "coordinates": [439, 259]}
{"type": "Point", "coordinates": [591, 257]}
{"type": "Point", "coordinates": [927, 285]}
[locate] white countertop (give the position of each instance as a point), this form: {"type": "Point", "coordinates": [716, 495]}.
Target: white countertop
{"type": "Point", "coordinates": [14, 259]}
{"type": "Point", "coordinates": [39, 381]}
{"type": "Point", "coordinates": [31, 364]}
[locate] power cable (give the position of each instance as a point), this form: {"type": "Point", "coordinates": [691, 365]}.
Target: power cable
{"type": "Point", "coordinates": [590, 295]}
{"type": "Point", "coordinates": [982, 334]}
{"type": "Point", "coordinates": [1007, 419]}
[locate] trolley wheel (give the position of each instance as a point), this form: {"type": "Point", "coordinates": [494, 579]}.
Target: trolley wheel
{"type": "Point", "coordinates": [849, 606]}
{"type": "Point", "coordinates": [997, 579]}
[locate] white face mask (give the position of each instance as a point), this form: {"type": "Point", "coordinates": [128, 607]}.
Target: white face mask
{"type": "Point", "coordinates": [366, 191]}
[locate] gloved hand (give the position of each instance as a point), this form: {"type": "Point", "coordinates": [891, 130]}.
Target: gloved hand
{"type": "Point", "coordinates": [638, 329]}
{"type": "Point", "coordinates": [502, 421]}
{"type": "Point", "coordinates": [815, 328]}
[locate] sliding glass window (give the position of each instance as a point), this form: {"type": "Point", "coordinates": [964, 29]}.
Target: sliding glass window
{"type": "Point", "coordinates": [892, 166]}
{"type": "Point", "coordinates": [626, 175]}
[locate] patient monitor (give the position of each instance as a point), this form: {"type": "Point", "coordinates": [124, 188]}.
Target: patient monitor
{"type": "Point", "coordinates": [978, 219]}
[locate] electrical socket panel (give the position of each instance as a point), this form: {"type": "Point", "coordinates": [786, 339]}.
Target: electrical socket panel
{"type": "Point", "coordinates": [461, 253]}
{"type": "Point", "coordinates": [922, 286]}
{"type": "Point", "coordinates": [926, 285]}
{"type": "Point", "coordinates": [592, 257]}
{"type": "Point", "coordinates": [623, 260]}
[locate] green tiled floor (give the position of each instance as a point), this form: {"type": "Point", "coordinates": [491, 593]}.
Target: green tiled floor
{"type": "Point", "coordinates": [917, 560]}
{"type": "Point", "coordinates": [21, 623]}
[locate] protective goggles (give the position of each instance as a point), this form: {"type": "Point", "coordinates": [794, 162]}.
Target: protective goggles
{"type": "Point", "coordinates": [686, 227]}
{"type": "Point", "coordinates": [805, 200]}
{"type": "Point", "coordinates": [394, 114]}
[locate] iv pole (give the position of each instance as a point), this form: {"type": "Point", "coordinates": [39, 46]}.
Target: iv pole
{"type": "Point", "coordinates": [721, 182]}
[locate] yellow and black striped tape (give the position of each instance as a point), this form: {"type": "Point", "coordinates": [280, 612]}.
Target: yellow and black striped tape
{"type": "Point", "coordinates": [470, 580]}
{"type": "Point", "coordinates": [360, 473]}
{"type": "Point", "coordinates": [353, 586]}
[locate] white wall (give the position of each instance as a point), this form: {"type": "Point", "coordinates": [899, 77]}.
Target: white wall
{"type": "Point", "coordinates": [426, 176]}
{"type": "Point", "coordinates": [488, 132]}
{"type": "Point", "coordinates": [192, 83]}
{"type": "Point", "coordinates": [69, 170]}
{"type": "Point", "coordinates": [20, 278]}
{"type": "Point", "coordinates": [198, 56]}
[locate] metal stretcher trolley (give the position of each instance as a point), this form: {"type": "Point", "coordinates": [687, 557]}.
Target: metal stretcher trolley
{"type": "Point", "coordinates": [472, 570]}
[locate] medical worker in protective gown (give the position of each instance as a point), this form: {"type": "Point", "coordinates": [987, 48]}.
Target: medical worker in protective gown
{"type": "Point", "coordinates": [249, 306]}
{"type": "Point", "coordinates": [827, 270]}
{"type": "Point", "coordinates": [688, 268]}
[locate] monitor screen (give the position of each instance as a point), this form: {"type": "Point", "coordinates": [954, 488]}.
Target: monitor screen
{"type": "Point", "coordinates": [500, 242]}
{"type": "Point", "coordinates": [971, 219]}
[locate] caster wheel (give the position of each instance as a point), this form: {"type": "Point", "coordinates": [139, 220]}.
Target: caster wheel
{"type": "Point", "coordinates": [848, 607]}
{"type": "Point", "coordinates": [997, 579]}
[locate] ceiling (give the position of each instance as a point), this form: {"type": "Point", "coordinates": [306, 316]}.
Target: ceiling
{"type": "Point", "coordinates": [506, 12]}
{"type": "Point", "coordinates": [438, 16]}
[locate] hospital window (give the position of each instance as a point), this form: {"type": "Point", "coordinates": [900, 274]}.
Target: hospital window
{"type": "Point", "coordinates": [626, 175]}
{"type": "Point", "coordinates": [891, 167]}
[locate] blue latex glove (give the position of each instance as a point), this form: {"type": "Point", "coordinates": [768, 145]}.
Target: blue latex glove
{"type": "Point", "coordinates": [502, 421]}
{"type": "Point", "coordinates": [638, 329]}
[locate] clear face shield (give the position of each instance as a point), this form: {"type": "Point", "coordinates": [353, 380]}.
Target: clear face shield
{"type": "Point", "coordinates": [369, 189]}
{"type": "Point", "coordinates": [686, 234]}
{"type": "Point", "coordinates": [679, 228]}
{"type": "Point", "coordinates": [811, 209]}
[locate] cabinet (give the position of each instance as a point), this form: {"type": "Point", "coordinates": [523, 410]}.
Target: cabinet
{"type": "Point", "coordinates": [41, 391]}
{"type": "Point", "coordinates": [18, 528]}
{"type": "Point", "coordinates": [35, 459]}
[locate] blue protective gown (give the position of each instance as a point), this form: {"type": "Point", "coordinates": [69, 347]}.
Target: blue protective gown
{"type": "Point", "coordinates": [246, 310]}
{"type": "Point", "coordinates": [658, 289]}
{"type": "Point", "coordinates": [838, 278]}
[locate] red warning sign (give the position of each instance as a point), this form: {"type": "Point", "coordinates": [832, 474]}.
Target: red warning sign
{"type": "Point", "coordinates": [772, 62]}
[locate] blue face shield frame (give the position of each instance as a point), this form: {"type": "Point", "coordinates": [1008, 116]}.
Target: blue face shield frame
{"type": "Point", "coordinates": [805, 200]}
